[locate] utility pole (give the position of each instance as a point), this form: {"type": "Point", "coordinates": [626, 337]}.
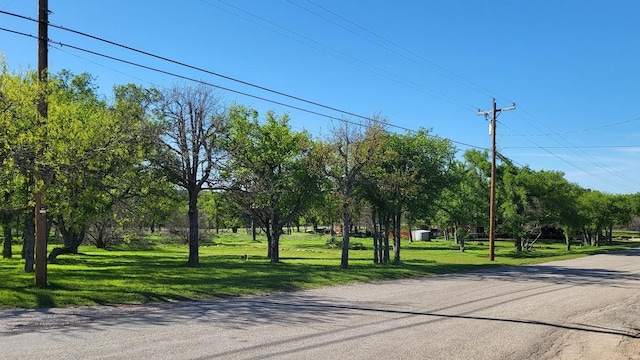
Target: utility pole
{"type": "Point", "coordinates": [40, 215]}
{"type": "Point", "coordinates": [492, 194]}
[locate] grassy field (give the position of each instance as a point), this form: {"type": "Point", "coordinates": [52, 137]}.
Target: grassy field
{"type": "Point", "coordinates": [151, 271]}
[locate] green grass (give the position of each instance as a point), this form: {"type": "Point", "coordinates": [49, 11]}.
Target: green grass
{"type": "Point", "coordinates": [153, 271]}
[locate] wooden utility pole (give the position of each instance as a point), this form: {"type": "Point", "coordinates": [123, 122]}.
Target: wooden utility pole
{"type": "Point", "coordinates": [492, 194]}
{"type": "Point", "coordinates": [41, 217]}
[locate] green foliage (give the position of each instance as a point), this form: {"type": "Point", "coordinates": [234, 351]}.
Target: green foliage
{"type": "Point", "coordinates": [272, 173]}
{"type": "Point", "coordinates": [465, 200]}
{"type": "Point", "coordinates": [91, 155]}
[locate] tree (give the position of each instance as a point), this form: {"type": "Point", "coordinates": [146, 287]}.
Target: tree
{"type": "Point", "coordinates": [189, 150]}
{"type": "Point", "coordinates": [151, 208]}
{"type": "Point", "coordinates": [621, 212]}
{"type": "Point", "coordinates": [465, 201]}
{"type": "Point", "coordinates": [351, 147]}
{"type": "Point", "coordinates": [569, 219]}
{"type": "Point", "coordinates": [18, 140]}
{"type": "Point", "coordinates": [595, 209]}
{"type": "Point", "coordinates": [221, 211]}
{"type": "Point", "coordinates": [420, 169]}
{"type": "Point", "coordinates": [96, 153]}
{"type": "Point", "coordinates": [405, 180]}
{"type": "Point", "coordinates": [273, 174]}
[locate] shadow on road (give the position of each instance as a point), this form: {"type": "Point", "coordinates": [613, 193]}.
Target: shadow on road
{"type": "Point", "coordinates": [557, 273]}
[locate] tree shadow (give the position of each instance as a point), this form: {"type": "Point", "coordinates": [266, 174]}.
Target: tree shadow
{"type": "Point", "coordinates": [555, 273]}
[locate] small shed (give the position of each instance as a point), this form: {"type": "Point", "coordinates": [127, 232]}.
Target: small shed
{"type": "Point", "coordinates": [423, 235]}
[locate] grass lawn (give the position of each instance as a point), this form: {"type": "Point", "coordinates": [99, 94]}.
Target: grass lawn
{"type": "Point", "coordinates": [150, 271]}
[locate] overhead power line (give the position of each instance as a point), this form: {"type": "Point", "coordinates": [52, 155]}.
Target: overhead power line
{"type": "Point", "coordinates": [574, 165]}
{"type": "Point", "coordinates": [367, 66]}
{"type": "Point", "coordinates": [181, 76]}
{"type": "Point", "coordinates": [576, 147]}
{"type": "Point", "coordinates": [569, 132]}
{"type": "Point", "coordinates": [176, 62]}
{"type": "Point", "coordinates": [415, 58]}
{"type": "Point", "coordinates": [165, 72]}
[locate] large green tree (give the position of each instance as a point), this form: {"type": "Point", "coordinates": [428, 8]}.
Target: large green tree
{"type": "Point", "coordinates": [529, 202]}
{"type": "Point", "coordinates": [96, 153]}
{"type": "Point", "coordinates": [465, 202]}
{"type": "Point", "coordinates": [91, 153]}
{"type": "Point", "coordinates": [410, 174]}
{"type": "Point", "coordinates": [18, 141]}
{"type": "Point", "coordinates": [273, 174]}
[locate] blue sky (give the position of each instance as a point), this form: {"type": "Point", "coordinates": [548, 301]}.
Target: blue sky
{"type": "Point", "coordinates": [571, 66]}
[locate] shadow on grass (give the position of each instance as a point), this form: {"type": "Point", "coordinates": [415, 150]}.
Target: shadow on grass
{"type": "Point", "coordinates": [44, 300]}
{"type": "Point", "coordinates": [128, 277]}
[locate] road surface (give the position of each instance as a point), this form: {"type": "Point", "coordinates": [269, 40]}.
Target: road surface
{"type": "Point", "coordinates": [587, 308]}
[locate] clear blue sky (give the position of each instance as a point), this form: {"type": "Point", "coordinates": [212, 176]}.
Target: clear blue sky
{"type": "Point", "coordinates": [571, 66]}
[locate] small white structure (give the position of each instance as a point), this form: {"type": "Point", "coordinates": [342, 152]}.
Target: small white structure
{"type": "Point", "coordinates": [424, 235]}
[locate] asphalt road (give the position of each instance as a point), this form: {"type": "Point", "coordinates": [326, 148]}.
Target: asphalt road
{"type": "Point", "coordinates": [587, 308]}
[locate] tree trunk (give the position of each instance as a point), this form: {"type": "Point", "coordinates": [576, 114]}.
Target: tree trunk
{"type": "Point", "coordinates": [276, 231]}
{"type": "Point", "coordinates": [344, 263]}
{"type": "Point", "coordinates": [72, 240]}
{"type": "Point", "coordinates": [385, 237]}
{"type": "Point", "coordinates": [382, 246]}
{"type": "Point", "coordinates": [459, 239]}
{"type": "Point", "coordinates": [194, 259]}
{"type": "Point", "coordinates": [567, 240]}
{"type": "Point", "coordinates": [100, 243]}
{"type": "Point", "coordinates": [376, 237]}
{"type": "Point", "coordinates": [253, 230]}
{"type": "Point", "coordinates": [596, 238]}
{"type": "Point", "coordinates": [518, 243]}
{"type": "Point", "coordinates": [396, 236]}
{"type": "Point", "coordinates": [456, 238]}
{"type": "Point", "coordinates": [410, 225]}
{"type": "Point", "coordinates": [7, 252]}
{"type": "Point", "coordinates": [586, 237]}
{"type": "Point", "coordinates": [275, 247]}
{"type": "Point", "coordinates": [29, 241]}
{"type": "Point", "coordinates": [59, 251]}
{"type": "Point", "coordinates": [266, 228]}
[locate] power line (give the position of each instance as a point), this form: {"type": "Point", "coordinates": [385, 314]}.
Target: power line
{"type": "Point", "coordinates": [576, 147]}
{"type": "Point", "coordinates": [441, 70]}
{"type": "Point", "coordinates": [190, 66]}
{"type": "Point", "coordinates": [595, 161]}
{"type": "Point", "coordinates": [104, 66]}
{"type": "Point", "coordinates": [214, 74]}
{"type": "Point", "coordinates": [146, 67]}
{"type": "Point", "coordinates": [579, 152]}
{"type": "Point", "coordinates": [349, 59]}
{"type": "Point", "coordinates": [569, 132]}
{"type": "Point", "coordinates": [572, 164]}
{"type": "Point", "coordinates": [602, 165]}
{"type": "Point", "coordinates": [265, 99]}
